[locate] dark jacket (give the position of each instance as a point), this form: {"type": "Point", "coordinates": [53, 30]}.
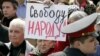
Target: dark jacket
{"type": "Point", "coordinates": [5, 21]}
{"type": "Point", "coordinates": [4, 33]}
{"type": "Point", "coordinates": [3, 49]}
{"type": "Point", "coordinates": [69, 52]}
{"type": "Point", "coordinates": [73, 52]}
{"type": "Point", "coordinates": [16, 51]}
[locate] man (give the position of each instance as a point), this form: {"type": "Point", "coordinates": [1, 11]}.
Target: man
{"type": "Point", "coordinates": [45, 47]}
{"type": "Point", "coordinates": [9, 8]}
{"type": "Point", "coordinates": [76, 15]}
{"type": "Point", "coordinates": [82, 37]}
{"type": "Point", "coordinates": [18, 45]}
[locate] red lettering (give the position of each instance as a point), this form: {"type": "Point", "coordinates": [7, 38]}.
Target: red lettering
{"type": "Point", "coordinates": [47, 29]}
{"type": "Point", "coordinates": [30, 27]}
{"type": "Point", "coordinates": [50, 30]}
{"type": "Point", "coordinates": [59, 30]}
{"type": "Point", "coordinates": [38, 29]}
{"type": "Point", "coordinates": [43, 26]}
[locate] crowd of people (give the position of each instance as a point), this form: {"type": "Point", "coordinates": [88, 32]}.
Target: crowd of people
{"type": "Point", "coordinates": [82, 31]}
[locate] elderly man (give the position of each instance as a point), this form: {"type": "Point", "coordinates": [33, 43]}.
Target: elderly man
{"type": "Point", "coordinates": [45, 47]}
{"type": "Point", "coordinates": [18, 45]}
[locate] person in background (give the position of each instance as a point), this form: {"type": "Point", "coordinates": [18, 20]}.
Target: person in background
{"type": "Point", "coordinates": [80, 3]}
{"type": "Point", "coordinates": [21, 11]}
{"type": "Point", "coordinates": [23, 3]}
{"type": "Point", "coordinates": [44, 47]}
{"type": "Point", "coordinates": [18, 45]}
{"type": "Point", "coordinates": [89, 9]}
{"type": "Point", "coordinates": [9, 8]}
{"type": "Point", "coordinates": [82, 38]}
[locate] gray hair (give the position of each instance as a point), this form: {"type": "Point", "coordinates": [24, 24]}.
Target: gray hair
{"type": "Point", "coordinates": [77, 15]}
{"type": "Point", "coordinates": [17, 22]}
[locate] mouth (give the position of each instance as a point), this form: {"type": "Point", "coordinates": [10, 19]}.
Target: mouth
{"type": "Point", "coordinates": [5, 14]}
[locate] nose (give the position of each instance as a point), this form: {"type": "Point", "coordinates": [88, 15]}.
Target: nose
{"type": "Point", "coordinates": [43, 43]}
{"type": "Point", "coordinates": [12, 34]}
{"type": "Point", "coordinates": [4, 10]}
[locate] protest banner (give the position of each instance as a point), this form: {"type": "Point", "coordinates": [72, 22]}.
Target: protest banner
{"type": "Point", "coordinates": [45, 22]}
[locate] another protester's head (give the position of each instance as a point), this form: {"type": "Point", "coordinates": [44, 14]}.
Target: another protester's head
{"type": "Point", "coordinates": [90, 9]}
{"type": "Point", "coordinates": [9, 8]}
{"type": "Point", "coordinates": [76, 16]}
{"type": "Point", "coordinates": [81, 33]}
{"type": "Point", "coordinates": [16, 31]}
{"type": "Point", "coordinates": [45, 46]}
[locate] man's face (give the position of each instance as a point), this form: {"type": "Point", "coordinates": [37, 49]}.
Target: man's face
{"type": "Point", "coordinates": [45, 45]}
{"type": "Point", "coordinates": [16, 35]}
{"type": "Point", "coordinates": [89, 45]}
{"type": "Point", "coordinates": [8, 9]}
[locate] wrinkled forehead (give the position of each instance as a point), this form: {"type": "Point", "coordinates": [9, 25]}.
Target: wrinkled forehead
{"type": "Point", "coordinates": [7, 4]}
{"type": "Point", "coordinates": [39, 40]}
{"type": "Point", "coordinates": [16, 27]}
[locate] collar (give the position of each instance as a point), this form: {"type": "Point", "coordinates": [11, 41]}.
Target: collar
{"type": "Point", "coordinates": [74, 51]}
{"type": "Point", "coordinates": [22, 47]}
{"type": "Point", "coordinates": [51, 50]}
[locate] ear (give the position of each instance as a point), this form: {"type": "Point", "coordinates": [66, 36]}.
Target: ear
{"type": "Point", "coordinates": [54, 44]}
{"type": "Point", "coordinates": [77, 44]}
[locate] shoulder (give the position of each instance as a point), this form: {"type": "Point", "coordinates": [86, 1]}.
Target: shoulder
{"type": "Point", "coordinates": [30, 47]}
{"type": "Point", "coordinates": [8, 44]}
{"type": "Point", "coordinates": [4, 27]}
